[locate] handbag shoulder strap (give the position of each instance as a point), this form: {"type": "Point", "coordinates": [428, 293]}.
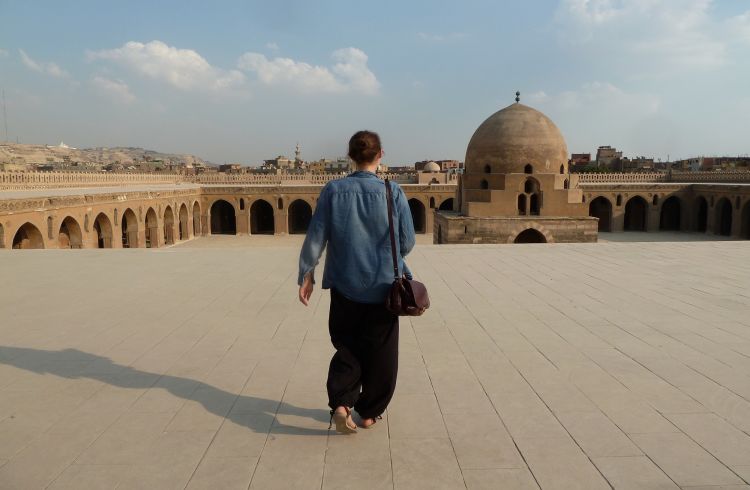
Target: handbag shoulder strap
{"type": "Point", "coordinates": [389, 199]}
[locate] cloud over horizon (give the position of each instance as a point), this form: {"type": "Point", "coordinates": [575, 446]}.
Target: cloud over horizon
{"type": "Point", "coordinates": [350, 73]}
{"type": "Point", "coordinates": [115, 90]}
{"type": "Point", "coordinates": [652, 35]}
{"type": "Point", "coordinates": [48, 68]}
{"type": "Point", "coordinates": [183, 69]}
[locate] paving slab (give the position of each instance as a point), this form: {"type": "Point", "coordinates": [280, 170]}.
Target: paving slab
{"type": "Point", "coordinates": [621, 364]}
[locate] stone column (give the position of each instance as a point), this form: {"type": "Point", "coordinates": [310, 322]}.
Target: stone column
{"type": "Point", "coordinates": [618, 218]}
{"type": "Point", "coordinates": [281, 221]}
{"type": "Point", "coordinates": [653, 217]}
{"type": "Point", "coordinates": [205, 224]}
{"type": "Point", "coordinates": [711, 218]}
{"type": "Point", "coordinates": [736, 221]}
{"type": "Point", "coordinates": [242, 219]}
{"type": "Point", "coordinates": [429, 220]}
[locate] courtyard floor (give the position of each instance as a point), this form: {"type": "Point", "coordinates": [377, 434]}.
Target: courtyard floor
{"type": "Point", "coordinates": [613, 365]}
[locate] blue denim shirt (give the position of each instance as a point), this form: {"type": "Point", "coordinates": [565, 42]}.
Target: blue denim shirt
{"type": "Point", "coordinates": [351, 218]}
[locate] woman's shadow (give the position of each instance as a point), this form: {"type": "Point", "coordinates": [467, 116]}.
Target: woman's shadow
{"type": "Point", "coordinates": [234, 407]}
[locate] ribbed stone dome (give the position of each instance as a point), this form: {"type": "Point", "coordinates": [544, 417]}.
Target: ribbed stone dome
{"type": "Point", "coordinates": [513, 138]}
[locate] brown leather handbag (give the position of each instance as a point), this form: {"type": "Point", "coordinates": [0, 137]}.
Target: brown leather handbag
{"type": "Point", "coordinates": [406, 297]}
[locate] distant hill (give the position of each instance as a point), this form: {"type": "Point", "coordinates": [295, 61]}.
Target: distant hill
{"type": "Point", "coordinates": [34, 154]}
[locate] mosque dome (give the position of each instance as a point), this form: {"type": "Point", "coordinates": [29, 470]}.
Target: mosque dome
{"type": "Point", "coordinates": [517, 139]}
{"type": "Point", "coordinates": [431, 167]}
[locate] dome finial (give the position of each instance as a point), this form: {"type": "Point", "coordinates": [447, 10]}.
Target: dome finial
{"type": "Point", "coordinates": [518, 97]}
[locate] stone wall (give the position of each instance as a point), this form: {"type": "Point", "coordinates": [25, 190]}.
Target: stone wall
{"type": "Point", "coordinates": [240, 209]}
{"type": "Point", "coordinates": [452, 228]}
{"type": "Point", "coordinates": [52, 180]}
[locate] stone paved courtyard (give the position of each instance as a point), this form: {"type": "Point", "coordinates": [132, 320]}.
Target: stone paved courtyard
{"type": "Point", "coordinates": [622, 365]}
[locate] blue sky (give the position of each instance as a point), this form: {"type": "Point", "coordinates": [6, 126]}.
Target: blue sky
{"type": "Point", "coordinates": [244, 81]}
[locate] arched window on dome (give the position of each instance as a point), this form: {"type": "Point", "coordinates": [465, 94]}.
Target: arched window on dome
{"type": "Point", "coordinates": [522, 204]}
{"type": "Point", "coordinates": [487, 169]}
{"type": "Point", "coordinates": [484, 184]}
{"type": "Point", "coordinates": [562, 169]}
{"type": "Point", "coordinates": [528, 169]}
{"type": "Point", "coordinates": [534, 204]}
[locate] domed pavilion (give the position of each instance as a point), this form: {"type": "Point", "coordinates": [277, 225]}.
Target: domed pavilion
{"type": "Point", "coordinates": [516, 187]}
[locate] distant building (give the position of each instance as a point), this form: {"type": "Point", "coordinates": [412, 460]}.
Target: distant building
{"type": "Point", "coordinates": [280, 162]}
{"type": "Point", "coordinates": [579, 162]}
{"type": "Point", "coordinates": [608, 157]}
{"type": "Point", "coordinates": [231, 168]}
{"type": "Point", "coordinates": [445, 165]}
{"type": "Point", "coordinates": [636, 164]}
{"type": "Point", "coordinates": [697, 164]}
{"type": "Point", "coordinates": [325, 165]}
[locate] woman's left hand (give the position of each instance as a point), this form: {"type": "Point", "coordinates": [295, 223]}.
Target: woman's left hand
{"type": "Point", "coordinates": [305, 291]}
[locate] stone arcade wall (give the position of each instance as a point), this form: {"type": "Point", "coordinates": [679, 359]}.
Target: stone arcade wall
{"type": "Point", "coordinates": [245, 208]}
{"type": "Point", "coordinates": [715, 208]}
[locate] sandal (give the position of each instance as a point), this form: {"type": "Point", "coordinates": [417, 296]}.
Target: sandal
{"type": "Point", "coordinates": [374, 421]}
{"type": "Point", "coordinates": [343, 422]}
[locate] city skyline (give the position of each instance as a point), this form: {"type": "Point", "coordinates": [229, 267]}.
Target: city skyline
{"type": "Point", "coordinates": [242, 83]}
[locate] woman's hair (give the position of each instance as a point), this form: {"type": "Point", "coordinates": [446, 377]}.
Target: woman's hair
{"type": "Point", "coordinates": [364, 147]}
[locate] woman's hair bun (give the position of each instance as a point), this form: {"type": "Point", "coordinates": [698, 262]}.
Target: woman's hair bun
{"type": "Point", "coordinates": [364, 146]}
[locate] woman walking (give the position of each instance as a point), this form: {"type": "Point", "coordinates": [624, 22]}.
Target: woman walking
{"type": "Point", "coordinates": [351, 219]}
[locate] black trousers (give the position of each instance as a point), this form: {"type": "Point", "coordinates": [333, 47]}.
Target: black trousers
{"type": "Point", "coordinates": [363, 370]}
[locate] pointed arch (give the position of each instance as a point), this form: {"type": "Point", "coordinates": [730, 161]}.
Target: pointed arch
{"type": "Point", "coordinates": [27, 237]}
{"type": "Point", "coordinates": [262, 221]}
{"type": "Point", "coordinates": [723, 218]}
{"type": "Point", "coordinates": [300, 214]}
{"type": "Point", "coordinates": [601, 208]}
{"type": "Point", "coordinates": [103, 229]}
{"type": "Point", "coordinates": [418, 215]}
{"type": "Point", "coordinates": [669, 216]}
{"type": "Point", "coordinates": [152, 229]}
{"type": "Point", "coordinates": [701, 214]}
{"type": "Point", "coordinates": [223, 218]}
{"type": "Point", "coordinates": [69, 235]}
{"type": "Point", "coordinates": [530, 235]}
{"type": "Point", "coordinates": [636, 214]}
{"type": "Point", "coordinates": [129, 227]}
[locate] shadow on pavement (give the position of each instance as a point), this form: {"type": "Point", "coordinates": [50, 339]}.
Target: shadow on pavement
{"type": "Point", "coordinates": [256, 413]}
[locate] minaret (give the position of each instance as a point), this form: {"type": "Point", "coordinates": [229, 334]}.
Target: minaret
{"type": "Point", "coordinates": [297, 159]}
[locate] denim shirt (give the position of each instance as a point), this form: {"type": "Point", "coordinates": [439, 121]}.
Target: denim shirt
{"type": "Point", "coordinates": [351, 218]}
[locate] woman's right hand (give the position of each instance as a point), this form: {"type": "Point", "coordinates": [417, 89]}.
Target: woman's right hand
{"type": "Point", "coordinates": [305, 291]}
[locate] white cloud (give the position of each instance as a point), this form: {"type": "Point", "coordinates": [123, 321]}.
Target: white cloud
{"type": "Point", "coordinates": [115, 90]}
{"type": "Point", "coordinates": [441, 37]}
{"type": "Point", "coordinates": [183, 69]}
{"type": "Point", "coordinates": [272, 46]}
{"type": "Point", "coordinates": [739, 27]}
{"type": "Point", "coordinates": [3, 53]}
{"type": "Point", "coordinates": [596, 96]}
{"type": "Point", "coordinates": [649, 34]}
{"type": "Point", "coordinates": [601, 113]}
{"type": "Point", "coordinates": [350, 73]}
{"type": "Point", "coordinates": [47, 68]}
